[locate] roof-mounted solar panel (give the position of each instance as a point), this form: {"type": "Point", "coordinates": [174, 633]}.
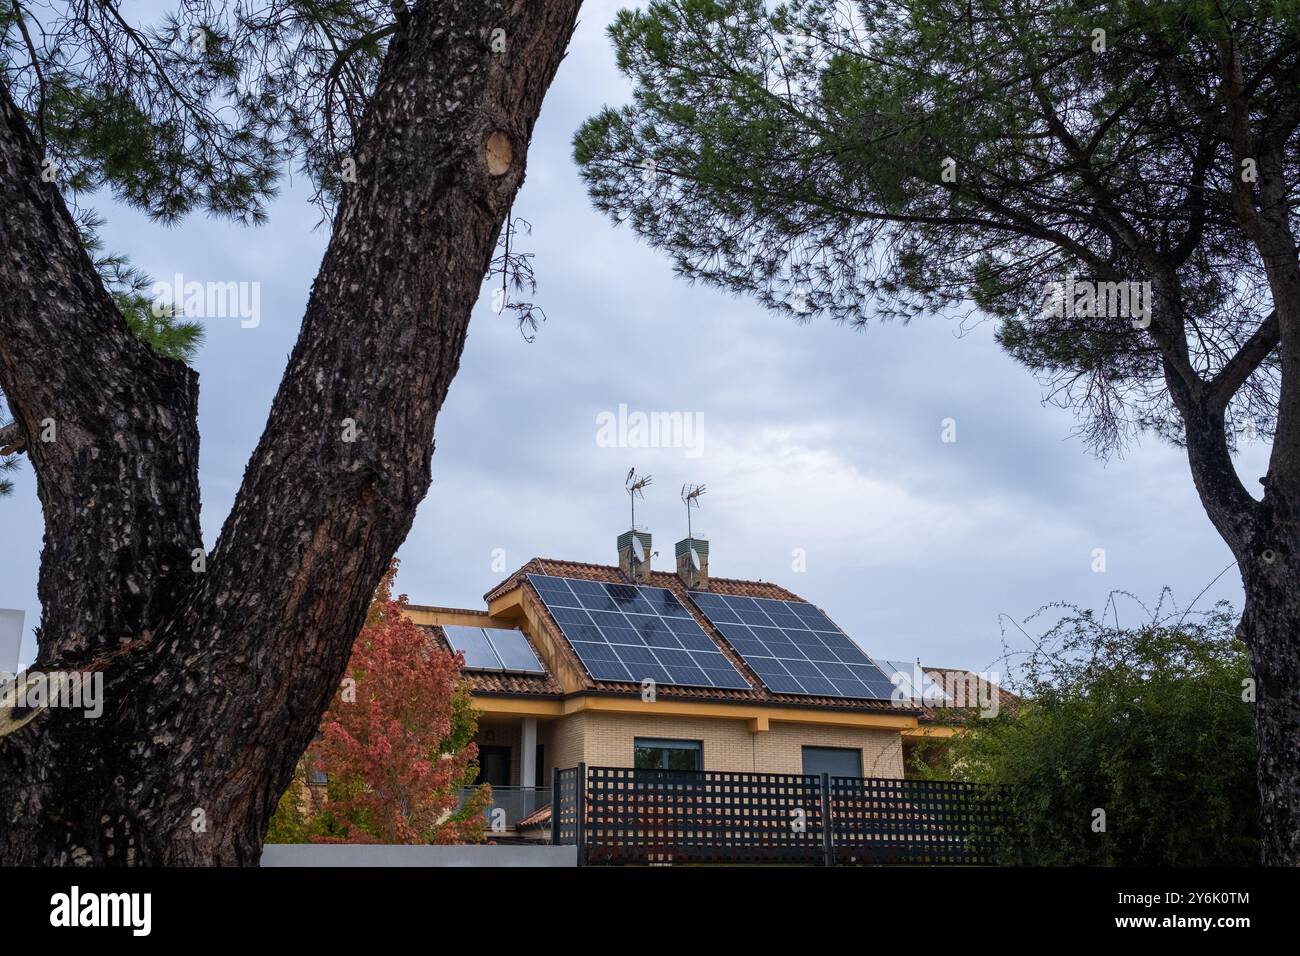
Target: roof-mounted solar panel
{"type": "Point", "coordinates": [514, 650]}
{"type": "Point", "coordinates": [625, 632]}
{"type": "Point", "coordinates": [493, 648]}
{"type": "Point", "coordinates": [793, 647]}
{"type": "Point", "coordinates": [473, 643]}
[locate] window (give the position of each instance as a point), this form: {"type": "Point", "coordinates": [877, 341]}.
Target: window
{"type": "Point", "coordinates": [836, 761]}
{"type": "Point", "coordinates": [668, 754]}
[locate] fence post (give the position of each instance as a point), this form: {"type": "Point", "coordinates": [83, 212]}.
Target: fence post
{"type": "Point", "coordinates": [580, 802]}
{"type": "Point", "coordinates": [555, 806]}
{"type": "Point", "coordinates": [828, 835]}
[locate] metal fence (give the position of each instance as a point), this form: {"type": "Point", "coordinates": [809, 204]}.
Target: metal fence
{"type": "Point", "coordinates": [623, 815]}
{"type": "Point", "coordinates": [564, 808]}
{"type": "Point", "coordinates": [944, 822]}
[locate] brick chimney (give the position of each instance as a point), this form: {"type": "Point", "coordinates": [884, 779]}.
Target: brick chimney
{"type": "Point", "coordinates": [693, 563]}
{"type": "Point", "coordinates": [634, 555]}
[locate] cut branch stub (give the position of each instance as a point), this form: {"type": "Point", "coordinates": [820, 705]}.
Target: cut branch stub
{"type": "Point", "coordinates": [499, 153]}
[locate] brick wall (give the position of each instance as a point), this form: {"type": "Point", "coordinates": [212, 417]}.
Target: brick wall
{"type": "Point", "coordinates": [565, 741]}
{"type": "Point", "coordinates": [607, 740]}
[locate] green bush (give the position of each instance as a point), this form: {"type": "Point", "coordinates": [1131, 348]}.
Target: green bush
{"type": "Point", "coordinates": [1152, 725]}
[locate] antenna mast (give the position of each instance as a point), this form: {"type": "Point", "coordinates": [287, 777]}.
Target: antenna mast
{"type": "Point", "coordinates": [635, 485]}
{"type": "Point", "coordinates": [691, 498]}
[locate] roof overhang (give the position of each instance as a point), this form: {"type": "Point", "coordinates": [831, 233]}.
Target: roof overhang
{"type": "Point", "coordinates": [759, 716]}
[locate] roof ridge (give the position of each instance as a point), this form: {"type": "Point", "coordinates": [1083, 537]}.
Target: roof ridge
{"type": "Point", "coordinates": [541, 562]}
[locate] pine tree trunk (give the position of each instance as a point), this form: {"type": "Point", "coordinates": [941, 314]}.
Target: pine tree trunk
{"type": "Point", "coordinates": [1270, 627]}
{"type": "Point", "coordinates": [1270, 563]}
{"type": "Point", "coordinates": [215, 681]}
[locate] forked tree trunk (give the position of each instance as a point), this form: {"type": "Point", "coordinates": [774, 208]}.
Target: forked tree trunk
{"type": "Point", "coordinates": [215, 681]}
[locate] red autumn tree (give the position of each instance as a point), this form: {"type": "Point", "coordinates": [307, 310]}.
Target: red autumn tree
{"type": "Point", "coordinates": [396, 742]}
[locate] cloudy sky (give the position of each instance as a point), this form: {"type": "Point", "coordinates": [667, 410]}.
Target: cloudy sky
{"type": "Point", "coordinates": [821, 447]}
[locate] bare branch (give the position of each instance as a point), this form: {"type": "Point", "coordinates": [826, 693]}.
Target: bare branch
{"type": "Point", "coordinates": [1248, 358]}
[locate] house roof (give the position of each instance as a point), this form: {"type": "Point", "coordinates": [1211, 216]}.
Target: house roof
{"type": "Point", "coordinates": [664, 579]}
{"type": "Point", "coordinates": [545, 685]}
{"type": "Point", "coordinates": [985, 690]}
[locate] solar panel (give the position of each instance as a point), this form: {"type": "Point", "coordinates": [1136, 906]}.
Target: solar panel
{"type": "Point", "coordinates": [514, 650]}
{"type": "Point", "coordinates": [473, 643]}
{"type": "Point", "coordinates": [493, 648]}
{"type": "Point", "coordinates": [793, 647]}
{"type": "Point", "coordinates": [625, 632]}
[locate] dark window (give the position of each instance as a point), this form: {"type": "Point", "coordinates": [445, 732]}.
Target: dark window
{"type": "Point", "coordinates": [539, 776]}
{"type": "Point", "coordinates": [836, 761]}
{"type": "Point", "coordinates": [494, 766]}
{"type": "Point", "coordinates": [668, 754]}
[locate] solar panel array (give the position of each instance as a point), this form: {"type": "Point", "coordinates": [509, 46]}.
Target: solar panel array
{"type": "Point", "coordinates": [793, 647]}
{"type": "Point", "coordinates": [493, 648]}
{"type": "Point", "coordinates": [625, 632]}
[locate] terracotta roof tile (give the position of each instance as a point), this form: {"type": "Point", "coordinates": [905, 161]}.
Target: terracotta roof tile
{"type": "Point", "coordinates": [541, 817]}
{"type": "Point", "coordinates": [984, 688]}
{"type": "Point", "coordinates": [531, 685]}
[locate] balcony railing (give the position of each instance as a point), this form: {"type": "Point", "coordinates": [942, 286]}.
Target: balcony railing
{"type": "Point", "coordinates": [511, 804]}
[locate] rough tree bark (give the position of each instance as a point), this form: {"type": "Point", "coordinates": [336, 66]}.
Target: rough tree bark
{"type": "Point", "coordinates": [215, 681]}
{"type": "Point", "coordinates": [1269, 562]}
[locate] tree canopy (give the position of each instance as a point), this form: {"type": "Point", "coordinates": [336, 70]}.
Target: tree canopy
{"type": "Point", "coordinates": [202, 109]}
{"type": "Point", "coordinates": [893, 158]}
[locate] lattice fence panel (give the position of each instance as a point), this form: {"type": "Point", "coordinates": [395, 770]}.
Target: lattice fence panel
{"type": "Point", "coordinates": [917, 821]}
{"type": "Point", "coordinates": [564, 806]}
{"type": "Point", "coordinates": [666, 816]}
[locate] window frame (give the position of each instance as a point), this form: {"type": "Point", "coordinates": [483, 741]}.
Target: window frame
{"type": "Point", "coordinates": [666, 744]}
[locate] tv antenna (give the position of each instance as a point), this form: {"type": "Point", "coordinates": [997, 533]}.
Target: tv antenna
{"type": "Point", "coordinates": [691, 498]}
{"type": "Point", "coordinates": [635, 485]}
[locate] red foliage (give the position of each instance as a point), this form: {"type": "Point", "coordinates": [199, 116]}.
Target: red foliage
{"type": "Point", "coordinates": [397, 737]}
